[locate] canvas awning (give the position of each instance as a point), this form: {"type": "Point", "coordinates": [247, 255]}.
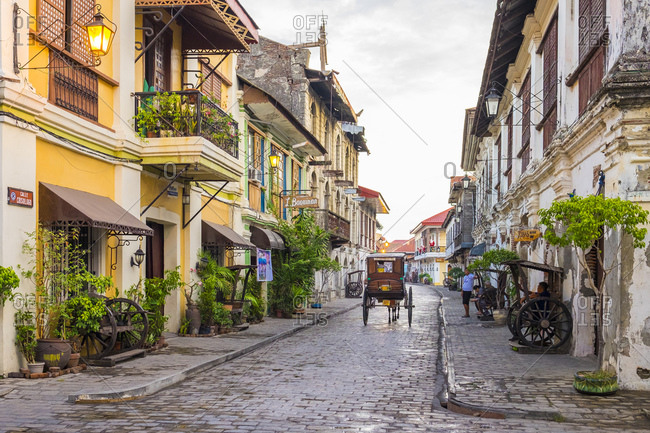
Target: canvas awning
{"type": "Point", "coordinates": [477, 250]}
{"type": "Point", "coordinates": [60, 206]}
{"type": "Point", "coordinates": [222, 236]}
{"type": "Point", "coordinates": [266, 239]}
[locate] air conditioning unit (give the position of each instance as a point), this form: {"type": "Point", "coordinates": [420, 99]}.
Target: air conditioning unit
{"type": "Point", "coordinates": [255, 175]}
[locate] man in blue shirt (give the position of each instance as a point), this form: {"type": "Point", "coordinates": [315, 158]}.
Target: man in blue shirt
{"type": "Point", "coordinates": [468, 285]}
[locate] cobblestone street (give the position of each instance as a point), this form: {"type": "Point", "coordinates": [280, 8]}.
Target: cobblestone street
{"type": "Point", "coordinates": [339, 376]}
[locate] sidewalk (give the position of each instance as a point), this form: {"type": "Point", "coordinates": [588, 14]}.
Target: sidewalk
{"type": "Point", "coordinates": [486, 378]}
{"type": "Point", "coordinates": [184, 357]}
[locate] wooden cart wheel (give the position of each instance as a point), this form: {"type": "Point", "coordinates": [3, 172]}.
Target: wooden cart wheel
{"type": "Point", "coordinates": [511, 320]}
{"type": "Point", "coordinates": [410, 306]}
{"type": "Point", "coordinates": [96, 345]}
{"type": "Point", "coordinates": [366, 307]}
{"type": "Point", "coordinates": [132, 323]}
{"type": "Point", "coordinates": [544, 322]}
{"type": "Point", "coordinates": [354, 289]}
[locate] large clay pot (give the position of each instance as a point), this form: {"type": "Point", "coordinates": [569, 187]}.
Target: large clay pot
{"type": "Point", "coordinates": [74, 360]}
{"type": "Point", "coordinates": [194, 316]}
{"type": "Point", "coordinates": [53, 352]}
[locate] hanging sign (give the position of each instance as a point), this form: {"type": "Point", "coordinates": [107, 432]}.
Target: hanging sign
{"type": "Point", "coordinates": [300, 201]}
{"type": "Point", "coordinates": [20, 197]}
{"type": "Point", "coordinates": [264, 267]}
{"type": "Point", "coordinates": [527, 235]}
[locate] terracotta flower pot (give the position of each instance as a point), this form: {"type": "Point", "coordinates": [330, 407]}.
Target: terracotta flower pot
{"type": "Point", "coordinates": [36, 367]}
{"type": "Point", "coordinates": [74, 360]}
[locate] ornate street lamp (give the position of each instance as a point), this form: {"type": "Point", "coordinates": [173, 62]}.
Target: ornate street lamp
{"type": "Point", "coordinates": [100, 34]}
{"type": "Point", "coordinates": [466, 181]}
{"type": "Point", "coordinates": [492, 100]}
{"type": "Point", "coordinates": [274, 160]}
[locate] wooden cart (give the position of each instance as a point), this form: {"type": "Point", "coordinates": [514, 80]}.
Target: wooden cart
{"type": "Point", "coordinates": [385, 284]}
{"type": "Point", "coordinates": [538, 321]}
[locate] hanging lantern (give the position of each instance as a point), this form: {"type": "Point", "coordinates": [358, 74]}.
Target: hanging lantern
{"type": "Point", "coordinates": [100, 34]}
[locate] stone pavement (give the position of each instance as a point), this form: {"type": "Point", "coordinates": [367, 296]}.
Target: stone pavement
{"type": "Point", "coordinates": [485, 376]}
{"type": "Point", "coordinates": [183, 358]}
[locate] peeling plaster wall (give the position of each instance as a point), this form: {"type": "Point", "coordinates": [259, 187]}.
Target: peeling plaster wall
{"type": "Point", "coordinates": [636, 25]}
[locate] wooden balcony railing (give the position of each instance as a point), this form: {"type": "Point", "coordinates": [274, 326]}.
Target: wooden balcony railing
{"type": "Point", "coordinates": [334, 224]}
{"type": "Point", "coordinates": [185, 113]}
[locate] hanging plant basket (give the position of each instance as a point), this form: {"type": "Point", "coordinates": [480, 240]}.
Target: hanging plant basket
{"type": "Point", "coordinates": [595, 383]}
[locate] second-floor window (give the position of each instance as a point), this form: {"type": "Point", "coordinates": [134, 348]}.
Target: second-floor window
{"type": "Point", "coordinates": [158, 58]}
{"type": "Point", "coordinates": [549, 98]}
{"type": "Point", "coordinates": [73, 85]}
{"type": "Point", "coordinates": [211, 82]}
{"type": "Point", "coordinates": [524, 153]}
{"type": "Point", "coordinates": [508, 171]}
{"type": "Point", "coordinates": [591, 50]}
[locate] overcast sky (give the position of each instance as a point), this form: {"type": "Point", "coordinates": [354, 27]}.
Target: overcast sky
{"type": "Point", "coordinates": [424, 59]}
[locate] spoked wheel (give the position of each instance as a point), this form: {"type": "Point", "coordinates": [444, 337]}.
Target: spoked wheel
{"type": "Point", "coordinates": [544, 322]}
{"type": "Point", "coordinates": [410, 306]}
{"type": "Point", "coordinates": [366, 307]}
{"type": "Point", "coordinates": [132, 323]}
{"type": "Point", "coordinates": [96, 345]}
{"type": "Point", "coordinates": [511, 320]}
{"type": "Point", "coordinates": [354, 289]}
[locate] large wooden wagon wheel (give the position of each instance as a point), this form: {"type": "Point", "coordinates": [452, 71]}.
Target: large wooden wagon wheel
{"type": "Point", "coordinates": [96, 345]}
{"type": "Point", "coordinates": [366, 306]}
{"type": "Point", "coordinates": [544, 322]}
{"type": "Point", "coordinates": [132, 323]}
{"type": "Point", "coordinates": [511, 319]}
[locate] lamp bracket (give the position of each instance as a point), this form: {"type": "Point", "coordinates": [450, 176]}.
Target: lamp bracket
{"type": "Point", "coordinates": [206, 203]}
{"type": "Point", "coordinates": [114, 240]}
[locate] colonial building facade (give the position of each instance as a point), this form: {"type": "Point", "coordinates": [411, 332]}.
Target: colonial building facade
{"type": "Point", "coordinates": [574, 82]}
{"type": "Point", "coordinates": [430, 240]}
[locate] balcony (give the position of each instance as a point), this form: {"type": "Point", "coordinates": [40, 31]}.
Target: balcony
{"type": "Point", "coordinates": [188, 129]}
{"type": "Point", "coordinates": [337, 226]}
{"type": "Point", "coordinates": [430, 252]}
{"type": "Point", "coordinates": [187, 113]}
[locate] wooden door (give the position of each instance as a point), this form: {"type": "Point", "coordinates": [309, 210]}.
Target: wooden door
{"type": "Point", "coordinates": [155, 258]}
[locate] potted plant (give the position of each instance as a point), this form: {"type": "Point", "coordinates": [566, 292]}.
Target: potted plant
{"type": "Point", "coordinates": [26, 339]}
{"type": "Point", "coordinates": [222, 318]}
{"type": "Point", "coordinates": [580, 223]}
{"type": "Point", "coordinates": [152, 300]}
{"type": "Point", "coordinates": [192, 312]}
{"type": "Point", "coordinates": [595, 382]}
{"type": "Point", "coordinates": [456, 274]}
{"type": "Point", "coordinates": [57, 268]}
{"type": "Point", "coordinates": [80, 315]}
{"type": "Point", "coordinates": [8, 282]}
{"type": "Point", "coordinates": [147, 120]}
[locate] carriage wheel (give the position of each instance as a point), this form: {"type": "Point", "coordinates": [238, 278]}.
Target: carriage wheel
{"type": "Point", "coordinates": [96, 345]}
{"type": "Point", "coordinates": [410, 305]}
{"type": "Point", "coordinates": [354, 289]}
{"type": "Point", "coordinates": [544, 322]}
{"type": "Point", "coordinates": [511, 320]}
{"type": "Point", "coordinates": [366, 307]}
{"type": "Point", "coordinates": [132, 323]}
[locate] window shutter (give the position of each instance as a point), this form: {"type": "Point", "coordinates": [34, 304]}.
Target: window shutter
{"type": "Point", "coordinates": [82, 13]}
{"type": "Point", "coordinates": [212, 85]}
{"type": "Point", "coordinates": [525, 118]}
{"type": "Point", "coordinates": [510, 126]}
{"type": "Point", "coordinates": [584, 28]}
{"type": "Point", "coordinates": [51, 22]}
{"type": "Point", "coordinates": [550, 68]}
{"type": "Point", "coordinates": [550, 125]}
{"type": "Point", "coordinates": [499, 160]}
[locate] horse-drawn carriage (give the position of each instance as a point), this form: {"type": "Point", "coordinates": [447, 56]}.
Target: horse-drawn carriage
{"type": "Point", "coordinates": [385, 284]}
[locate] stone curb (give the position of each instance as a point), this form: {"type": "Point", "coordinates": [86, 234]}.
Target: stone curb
{"type": "Point", "coordinates": [162, 383]}
{"type": "Point", "coordinates": [458, 406]}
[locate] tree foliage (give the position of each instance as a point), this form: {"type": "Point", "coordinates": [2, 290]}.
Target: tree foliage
{"type": "Point", "coordinates": [493, 259]}
{"type": "Point", "coordinates": [308, 247]}
{"type": "Point", "coordinates": [580, 221]}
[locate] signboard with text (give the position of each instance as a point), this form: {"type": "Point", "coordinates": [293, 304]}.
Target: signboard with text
{"type": "Point", "coordinates": [527, 235]}
{"type": "Point", "coordinates": [300, 201]}
{"type": "Point", "coordinates": [20, 197]}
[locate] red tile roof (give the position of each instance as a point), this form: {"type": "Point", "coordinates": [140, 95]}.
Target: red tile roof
{"type": "Point", "coordinates": [394, 245]}
{"type": "Point", "coordinates": [406, 247]}
{"type": "Point", "coordinates": [437, 219]}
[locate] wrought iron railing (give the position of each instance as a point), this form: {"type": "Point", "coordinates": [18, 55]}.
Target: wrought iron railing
{"type": "Point", "coordinates": [185, 113]}
{"type": "Point", "coordinates": [333, 223]}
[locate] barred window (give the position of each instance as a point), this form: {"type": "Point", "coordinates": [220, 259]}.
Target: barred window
{"type": "Point", "coordinates": [73, 87]}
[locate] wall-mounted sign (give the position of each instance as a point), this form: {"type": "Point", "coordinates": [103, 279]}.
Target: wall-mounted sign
{"type": "Point", "coordinates": [264, 266]}
{"type": "Point", "coordinates": [300, 201]}
{"type": "Point", "coordinates": [172, 191]}
{"type": "Point", "coordinates": [440, 260]}
{"type": "Point", "coordinates": [20, 197]}
{"type": "Point", "coordinates": [527, 235]}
